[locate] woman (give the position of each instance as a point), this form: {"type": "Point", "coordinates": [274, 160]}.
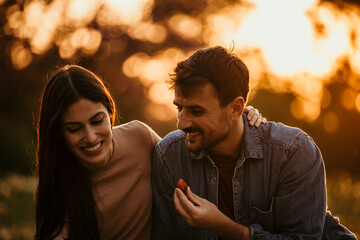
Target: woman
{"type": "Point", "coordinates": [94, 178]}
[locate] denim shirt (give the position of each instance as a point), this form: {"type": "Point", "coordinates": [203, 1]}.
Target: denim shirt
{"type": "Point", "coordinates": [278, 184]}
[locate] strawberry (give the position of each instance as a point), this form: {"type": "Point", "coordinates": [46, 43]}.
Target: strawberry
{"type": "Point", "coordinates": [182, 185]}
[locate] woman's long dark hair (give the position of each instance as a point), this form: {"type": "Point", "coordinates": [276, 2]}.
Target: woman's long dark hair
{"type": "Point", "coordinates": [64, 192]}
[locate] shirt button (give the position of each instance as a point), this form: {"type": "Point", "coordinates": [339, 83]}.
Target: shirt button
{"type": "Point", "coordinates": [238, 184]}
{"type": "Point", "coordinates": [213, 179]}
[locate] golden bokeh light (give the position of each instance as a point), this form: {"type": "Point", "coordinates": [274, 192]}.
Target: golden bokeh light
{"type": "Point", "coordinates": [66, 49]}
{"type": "Point", "coordinates": [159, 93]}
{"type": "Point", "coordinates": [357, 102]}
{"type": "Point", "coordinates": [289, 46]}
{"type": "Point", "coordinates": [88, 40]}
{"type": "Point", "coordinates": [312, 110]}
{"type": "Point", "coordinates": [331, 122]}
{"type": "Point", "coordinates": [347, 98]}
{"type": "Point", "coordinates": [154, 70]}
{"type": "Point", "coordinates": [14, 18]}
{"type": "Point", "coordinates": [297, 109]}
{"type": "Point", "coordinates": [355, 58]}
{"type": "Point", "coordinates": [133, 66]}
{"type": "Point", "coordinates": [354, 81]}
{"type": "Point", "coordinates": [20, 56]}
{"type": "Point", "coordinates": [115, 12]}
{"type": "Point", "coordinates": [81, 12]}
{"type": "Point", "coordinates": [117, 44]}
{"type": "Point", "coordinates": [45, 23]}
{"type": "Point", "coordinates": [356, 192]}
{"type": "Point", "coordinates": [346, 183]}
{"type": "Point", "coordinates": [146, 31]}
{"type": "Point", "coordinates": [297, 58]}
{"type": "Point", "coordinates": [160, 112]}
{"type": "Point", "coordinates": [186, 26]}
{"type": "Point", "coordinates": [326, 98]}
{"type": "Point", "coordinates": [305, 109]}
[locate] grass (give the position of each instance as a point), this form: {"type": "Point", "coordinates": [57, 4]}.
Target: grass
{"type": "Point", "coordinates": [17, 214]}
{"type": "Point", "coordinates": [17, 218]}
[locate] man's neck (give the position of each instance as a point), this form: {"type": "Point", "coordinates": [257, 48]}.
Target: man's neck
{"type": "Point", "coordinates": [230, 148]}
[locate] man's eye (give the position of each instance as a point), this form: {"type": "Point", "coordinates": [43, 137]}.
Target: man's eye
{"type": "Point", "coordinates": [197, 112]}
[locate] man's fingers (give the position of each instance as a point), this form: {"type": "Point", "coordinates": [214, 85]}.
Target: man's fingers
{"type": "Point", "coordinates": [178, 202]}
{"type": "Point", "coordinates": [186, 203]}
{"type": "Point", "coordinates": [195, 199]}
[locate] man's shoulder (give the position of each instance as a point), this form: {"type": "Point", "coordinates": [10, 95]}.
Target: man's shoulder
{"type": "Point", "coordinates": [279, 133]}
{"type": "Point", "coordinates": [171, 139]}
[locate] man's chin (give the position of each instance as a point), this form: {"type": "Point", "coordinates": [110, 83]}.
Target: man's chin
{"type": "Point", "coordinates": [193, 147]}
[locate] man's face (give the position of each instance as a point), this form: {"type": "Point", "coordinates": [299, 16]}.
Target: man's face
{"type": "Point", "coordinates": [201, 117]}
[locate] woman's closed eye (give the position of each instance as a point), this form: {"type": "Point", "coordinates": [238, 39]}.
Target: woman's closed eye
{"type": "Point", "coordinates": [97, 121]}
{"type": "Point", "coordinates": [73, 130]}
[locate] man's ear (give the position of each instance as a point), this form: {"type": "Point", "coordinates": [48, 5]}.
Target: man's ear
{"type": "Point", "coordinates": [237, 107]}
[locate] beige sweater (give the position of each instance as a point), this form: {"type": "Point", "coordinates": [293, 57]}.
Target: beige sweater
{"type": "Point", "coordinates": [123, 186]}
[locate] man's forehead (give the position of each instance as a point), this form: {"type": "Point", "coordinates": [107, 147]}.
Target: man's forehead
{"type": "Point", "coordinates": [204, 89]}
{"type": "Point", "coordinates": [198, 96]}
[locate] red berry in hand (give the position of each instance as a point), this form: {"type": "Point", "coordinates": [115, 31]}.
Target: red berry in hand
{"type": "Point", "coordinates": [182, 185]}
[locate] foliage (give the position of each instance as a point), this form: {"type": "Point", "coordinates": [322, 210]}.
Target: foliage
{"type": "Point", "coordinates": [17, 220]}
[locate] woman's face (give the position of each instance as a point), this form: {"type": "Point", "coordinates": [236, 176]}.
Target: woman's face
{"type": "Point", "coordinates": [87, 132]}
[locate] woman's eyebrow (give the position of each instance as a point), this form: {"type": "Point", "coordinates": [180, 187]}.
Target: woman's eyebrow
{"type": "Point", "coordinates": [97, 114]}
{"type": "Point", "coordinates": [92, 118]}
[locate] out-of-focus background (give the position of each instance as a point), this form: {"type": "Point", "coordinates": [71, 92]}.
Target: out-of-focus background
{"type": "Point", "coordinates": [303, 55]}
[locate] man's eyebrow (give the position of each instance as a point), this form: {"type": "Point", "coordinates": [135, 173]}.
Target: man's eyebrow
{"type": "Point", "coordinates": [190, 106]}
{"type": "Point", "coordinates": [92, 118]}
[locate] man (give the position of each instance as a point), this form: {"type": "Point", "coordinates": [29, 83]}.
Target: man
{"type": "Point", "coordinates": [244, 182]}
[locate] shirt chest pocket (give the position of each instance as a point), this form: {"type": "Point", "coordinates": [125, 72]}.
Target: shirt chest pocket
{"type": "Point", "coordinates": [263, 217]}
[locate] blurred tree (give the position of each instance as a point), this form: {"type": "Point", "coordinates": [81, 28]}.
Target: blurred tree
{"type": "Point", "coordinates": [133, 45]}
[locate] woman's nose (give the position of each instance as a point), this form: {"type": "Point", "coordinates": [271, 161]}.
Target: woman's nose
{"type": "Point", "coordinates": [90, 135]}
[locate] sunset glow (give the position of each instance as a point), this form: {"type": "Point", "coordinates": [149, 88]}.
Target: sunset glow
{"type": "Point", "coordinates": [298, 45]}
{"type": "Point", "coordinates": [303, 58]}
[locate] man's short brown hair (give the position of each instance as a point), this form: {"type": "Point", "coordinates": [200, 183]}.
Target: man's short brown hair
{"type": "Point", "coordinates": [217, 66]}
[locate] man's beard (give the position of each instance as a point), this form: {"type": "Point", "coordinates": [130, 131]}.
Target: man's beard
{"type": "Point", "coordinates": [208, 144]}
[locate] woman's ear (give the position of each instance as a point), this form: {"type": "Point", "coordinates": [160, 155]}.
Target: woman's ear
{"type": "Point", "coordinates": [237, 107]}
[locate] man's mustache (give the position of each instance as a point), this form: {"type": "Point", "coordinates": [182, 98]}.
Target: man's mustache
{"type": "Point", "coordinates": [191, 129]}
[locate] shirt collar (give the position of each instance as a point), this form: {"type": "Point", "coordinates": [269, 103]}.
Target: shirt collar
{"type": "Point", "coordinates": [251, 139]}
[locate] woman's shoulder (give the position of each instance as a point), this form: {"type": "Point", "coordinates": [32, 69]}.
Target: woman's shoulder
{"type": "Point", "coordinates": [134, 126]}
{"type": "Point", "coordinates": [137, 130]}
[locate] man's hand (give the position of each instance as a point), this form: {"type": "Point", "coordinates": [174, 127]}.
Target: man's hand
{"type": "Point", "coordinates": [201, 213]}
{"type": "Point", "coordinates": [254, 117]}
{"type": "Point", "coordinates": [197, 211]}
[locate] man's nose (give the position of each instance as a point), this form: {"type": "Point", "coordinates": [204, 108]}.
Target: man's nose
{"type": "Point", "coordinates": [183, 120]}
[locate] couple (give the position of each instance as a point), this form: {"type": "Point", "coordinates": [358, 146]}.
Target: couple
{"type": "Point", "coordinates": [98, 181]}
